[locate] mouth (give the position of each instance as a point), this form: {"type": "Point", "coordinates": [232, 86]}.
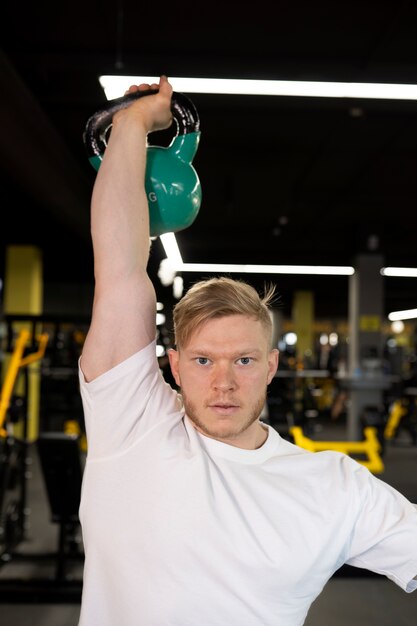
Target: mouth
{"type": "Point", "coordinates": [224, 408]}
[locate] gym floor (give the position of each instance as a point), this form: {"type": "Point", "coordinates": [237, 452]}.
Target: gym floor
{"type": "Point", "coordinates": [362, 600]}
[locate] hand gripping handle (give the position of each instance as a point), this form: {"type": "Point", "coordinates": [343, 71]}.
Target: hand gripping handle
{"type": "Point", "coordinates": [97, 126]}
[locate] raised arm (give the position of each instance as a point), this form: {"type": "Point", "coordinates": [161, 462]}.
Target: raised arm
{"type": "Point", "coordinates": [123, 317]}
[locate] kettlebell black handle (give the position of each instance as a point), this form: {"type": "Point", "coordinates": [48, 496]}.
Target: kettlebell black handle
{"type": "Point", "coordinates": [97, 126]}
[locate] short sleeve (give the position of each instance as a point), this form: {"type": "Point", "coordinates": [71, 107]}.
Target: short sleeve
{"type": "Point", "coordinates": [125, 403]}
{"type": "Point", "coordinates": [384, 538]}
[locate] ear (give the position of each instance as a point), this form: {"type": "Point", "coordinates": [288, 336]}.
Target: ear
{"type": "Point", "coordinates": [273, 359]}
{"type": "Point", "coordinates": [173, 356]}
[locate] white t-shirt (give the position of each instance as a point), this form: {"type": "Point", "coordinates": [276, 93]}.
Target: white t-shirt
{"type": "Point", "coordinates": [180, 529]}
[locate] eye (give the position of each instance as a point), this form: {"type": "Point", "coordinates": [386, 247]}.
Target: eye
{"type": "Point", "coordinates": [202, 360]}
{"type": "Point", "coordinates": [245, 360]}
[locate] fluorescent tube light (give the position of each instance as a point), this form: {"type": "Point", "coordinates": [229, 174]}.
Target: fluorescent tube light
{"type": "Point", "coordinates": [406, 272]}
{"type": "Point", "coordinates": [115, 86]}
{"type": "Point", "coordinates": [408, 314]}
{"type": "Point", "coordinates": [176, 264]}
{"type": "Point", "coordinates": [169, 241]}
{"type": "Point", "coordinates": [325, 270]}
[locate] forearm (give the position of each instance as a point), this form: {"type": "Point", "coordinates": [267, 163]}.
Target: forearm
{"type": "Point", "coordinates": [119, 208]}
{"type": "Point", "coordinates": [123, 319]}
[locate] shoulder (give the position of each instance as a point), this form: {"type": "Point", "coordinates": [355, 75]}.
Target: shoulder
{"type": "Point", "coordinates": [143, 361]}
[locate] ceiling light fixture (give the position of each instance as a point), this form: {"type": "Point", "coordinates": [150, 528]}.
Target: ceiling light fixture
{"type": "Point", "coordinates": [170, 244]}
{"type": "Point", "coordinates": [408, 314]}
{"type": "Point", "coordinates": [324, 270]}
{"type": "Point", "coordinates": [176, 264]}
{"type": "Point", "coordinates": [115, 86]}
{"type": "Point", "coordinates": [403, 272]}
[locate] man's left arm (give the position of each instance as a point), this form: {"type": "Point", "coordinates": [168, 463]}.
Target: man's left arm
{"type": "Point", "coordinates": [384, 538]}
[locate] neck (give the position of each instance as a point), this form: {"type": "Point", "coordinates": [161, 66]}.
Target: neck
{"type": "Point", "coordinates": [246, 441]}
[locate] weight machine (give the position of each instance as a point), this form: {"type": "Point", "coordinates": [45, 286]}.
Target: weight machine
{"type": "Point", "coordinates": [14, 460]}
{"type": "Point", "coordinates": [60, 463]}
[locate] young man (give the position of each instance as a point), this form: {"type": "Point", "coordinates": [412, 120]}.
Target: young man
{"type": "Point", "coordinates": [193, 511]}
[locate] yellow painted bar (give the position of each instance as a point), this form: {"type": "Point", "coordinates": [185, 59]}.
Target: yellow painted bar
{"type": "Point", "coordinates": [10, 377]}
{"type": "Point", "coordinates": [370, 446]}
{"type": "Point", "coordinates": [23, 285]}
{"type": "Point", "coordinates": [303, 318]}
{"type": "Point", "coordinates": [16, 362]}
{"type": "Point", "coordinates": [23, 295]}
{"type": "Point", "coordinates": [36, 356]}
{"type": "Point", "coordinates": [398, 410]}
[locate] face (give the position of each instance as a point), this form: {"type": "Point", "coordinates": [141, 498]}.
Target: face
{"type": "Point", "coordinates": [223, 373]}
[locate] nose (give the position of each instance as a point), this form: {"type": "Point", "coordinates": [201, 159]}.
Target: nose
{"type": "Point", "coordinates": [224, 378]}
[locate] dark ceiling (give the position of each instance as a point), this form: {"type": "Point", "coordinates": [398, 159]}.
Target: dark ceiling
{"type": "Point", "coordinates": [285, 180]}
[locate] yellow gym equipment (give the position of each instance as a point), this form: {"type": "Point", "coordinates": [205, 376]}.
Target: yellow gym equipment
{"type": "Point", "coordinates": [369, 447]}
{"type": "Point", "coordinates": [398, 410]}
{"type": "Point", "coordinates": [17, 361]}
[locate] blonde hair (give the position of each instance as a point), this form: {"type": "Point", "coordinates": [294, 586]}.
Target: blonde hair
{"type": "Point", "coordinates": [220, 297]}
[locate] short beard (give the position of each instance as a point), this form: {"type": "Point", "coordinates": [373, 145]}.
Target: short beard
{"type": "Point", "coordinates": [234, 431]}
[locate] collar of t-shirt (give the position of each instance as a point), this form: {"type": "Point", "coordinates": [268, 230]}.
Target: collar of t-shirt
{"type": "Point", "coordinates": [233, 453]}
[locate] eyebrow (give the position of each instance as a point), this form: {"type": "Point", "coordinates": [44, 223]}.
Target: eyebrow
{"type": "Point", "coordinates": [207, 351]}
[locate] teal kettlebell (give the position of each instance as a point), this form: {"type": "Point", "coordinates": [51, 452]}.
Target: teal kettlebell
{"type": "Point", "coordinates": [171, 181]}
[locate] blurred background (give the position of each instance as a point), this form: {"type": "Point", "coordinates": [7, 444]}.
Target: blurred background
{"type": "Point", "coordinates": [286, 181]}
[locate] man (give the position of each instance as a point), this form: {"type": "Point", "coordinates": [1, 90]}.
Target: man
{"type": "Point", "coordinates": [193, 511]}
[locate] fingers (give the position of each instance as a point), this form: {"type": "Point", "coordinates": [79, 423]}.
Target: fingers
{"type": "Point", "coordinates": [133, 89]}
{"type": "Point", "coordinates": [163, 85]}
{"type": "Point", "coordinates": [156, 110]}
{"type": "Point", "coordinates": [141, 87]}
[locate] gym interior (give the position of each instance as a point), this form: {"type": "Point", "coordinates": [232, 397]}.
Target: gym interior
{"type": "Point", "coordinates": [314, 400]}
{"type": "Point", "coordinates": [314, 194]}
